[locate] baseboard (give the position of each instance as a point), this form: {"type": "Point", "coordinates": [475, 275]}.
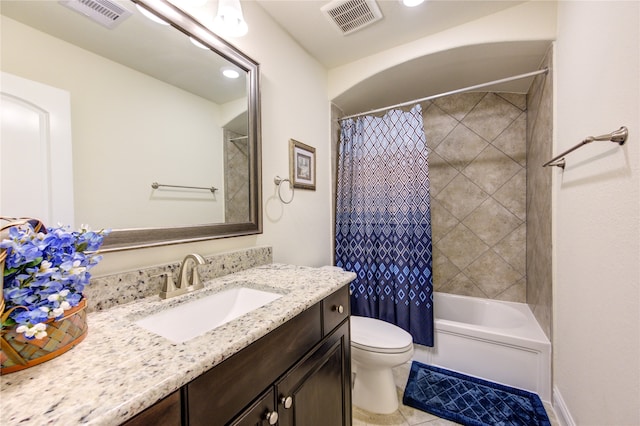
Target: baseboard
{"type": "Point", "coordinates": [561, 409]}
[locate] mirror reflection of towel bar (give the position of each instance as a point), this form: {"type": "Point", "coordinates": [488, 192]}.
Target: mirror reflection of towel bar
{"type": "Point", "coordinates": [156, 185]}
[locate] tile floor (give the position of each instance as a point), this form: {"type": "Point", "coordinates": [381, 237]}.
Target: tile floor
{"type": "Point", "coordinates": [407, 416]}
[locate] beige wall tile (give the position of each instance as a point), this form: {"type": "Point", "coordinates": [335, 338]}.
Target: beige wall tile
{"type": "Point", "coordinates": [461, 197]}
{"type": "Point", "coordinates": [461, 246]}
{"type": "Point", "coordinates": [492, 274]}
{"type": "Point", "coordinates": [458, 106]}
{"type": "Point", "coordinates": [513, 141]}
{"type": "Point", "coordinates": [491, 222]}
{"type": "Point", "coordinates": [513, 196]}
{"type": "Point", "coordinates": [491, 169]}
{"type": "Point", "coordinates": [491, 116]}
{"type": "Point", "coordinates": [460, 147]}
{"type": "Point", "coordinates": [437, 125]}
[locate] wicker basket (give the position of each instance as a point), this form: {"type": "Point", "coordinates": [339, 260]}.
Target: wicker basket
{"type": "Point", "coordinates": [18, 352]}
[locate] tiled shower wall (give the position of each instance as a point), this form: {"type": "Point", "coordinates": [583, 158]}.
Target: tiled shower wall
{"type": "Point", "coordinates": [539, 138]}
{"type": "Point", "coordinates": [477, 169]}
{"type": "Point", "coordinates": [236, 169]}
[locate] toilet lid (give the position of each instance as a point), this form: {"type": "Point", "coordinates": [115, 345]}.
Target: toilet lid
{"type": "Point", "coordinates": [379, 336]}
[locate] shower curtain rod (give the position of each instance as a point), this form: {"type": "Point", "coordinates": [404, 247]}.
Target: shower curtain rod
{"type": "Point", "coordinates": [453, 92]}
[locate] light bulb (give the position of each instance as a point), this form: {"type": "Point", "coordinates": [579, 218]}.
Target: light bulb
{"type": "Point", "coordinates": [229, 20]}
{"type": "Point", "coordinates": [412, 3]}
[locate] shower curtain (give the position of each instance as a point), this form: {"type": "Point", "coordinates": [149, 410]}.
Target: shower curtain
{"type": "Point", "coordinates": [383, 220]}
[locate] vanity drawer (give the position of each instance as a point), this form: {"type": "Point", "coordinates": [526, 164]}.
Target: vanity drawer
{"type": "Point", "coordinates": [335, 309]}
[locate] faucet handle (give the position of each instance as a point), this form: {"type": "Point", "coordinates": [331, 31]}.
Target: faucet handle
{"type": "Point", "coordinates": [169, 288]}
{"type": "Point", "coordinates": [196, 282]}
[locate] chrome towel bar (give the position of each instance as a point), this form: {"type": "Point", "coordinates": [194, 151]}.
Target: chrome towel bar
{"type": "Point", "coordinates": [618, 136]}
{"type": "Point", "coordinates": [156, 185]}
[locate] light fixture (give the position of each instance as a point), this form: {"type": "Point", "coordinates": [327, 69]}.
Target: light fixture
{"type": "Point", "coordinates": [150, 15]}
{"type": "Point", "coordinates": [230, 72]}
{"type": "Point", "coordinates": [412, 3]}
{"type": "Point", "coordinates": [229, 20]}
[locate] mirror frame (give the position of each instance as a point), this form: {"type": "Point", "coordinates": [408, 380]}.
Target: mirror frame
{"type": "Point", "coordinates": [134, 238]}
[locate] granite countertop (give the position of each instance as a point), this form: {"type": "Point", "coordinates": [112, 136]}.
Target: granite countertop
{"type": "Point", "coordinates": [120, 368]}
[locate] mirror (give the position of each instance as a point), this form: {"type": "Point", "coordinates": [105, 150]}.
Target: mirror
{"type": "Point", "coordinates": [164, 148]}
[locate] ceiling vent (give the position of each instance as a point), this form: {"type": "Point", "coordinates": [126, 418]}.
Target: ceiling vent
{"type": "Point", "coordinates": [104, 12]}
{"type": "Point", "coordinates": [352, 15]}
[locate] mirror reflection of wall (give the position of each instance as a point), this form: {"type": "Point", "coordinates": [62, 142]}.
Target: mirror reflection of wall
{"type": "Point", "coordinates": [129, 128]}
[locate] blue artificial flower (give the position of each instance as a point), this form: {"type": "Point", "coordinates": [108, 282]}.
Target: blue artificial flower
{"type": "Point", "coordinates": [45, 273]}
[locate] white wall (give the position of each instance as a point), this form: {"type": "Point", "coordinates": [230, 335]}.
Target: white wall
{"type": "Point", "coordinates": [597, 215]}
{"type": "Point", "coordinates": [294, 105]}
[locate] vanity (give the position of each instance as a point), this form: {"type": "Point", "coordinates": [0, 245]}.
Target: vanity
{"type": "Point", "coordinates": [295, 375]}
{"type": "Point", "coordinates": [285, 363]}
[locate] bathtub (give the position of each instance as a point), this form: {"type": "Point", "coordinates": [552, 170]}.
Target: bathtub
{"type": "Point", "coordinates": [490, 339]}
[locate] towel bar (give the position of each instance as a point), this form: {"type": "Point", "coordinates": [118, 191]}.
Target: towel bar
{"type": "Point", "coordinates": [618, 136]}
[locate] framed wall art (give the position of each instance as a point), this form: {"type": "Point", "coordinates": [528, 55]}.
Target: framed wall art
{"type": "Point", "coordinates": [302, 165]}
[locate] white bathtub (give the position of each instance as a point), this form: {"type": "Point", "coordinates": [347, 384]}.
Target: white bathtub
{"type": "Point", "coordinates": [490, 339]}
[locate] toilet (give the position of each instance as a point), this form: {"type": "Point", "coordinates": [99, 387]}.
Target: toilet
{"type": "Point", "coordinates": [376, 347]}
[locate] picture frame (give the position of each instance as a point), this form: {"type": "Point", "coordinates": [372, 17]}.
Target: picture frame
{"type": "Point", "coordinates": [302, 165]}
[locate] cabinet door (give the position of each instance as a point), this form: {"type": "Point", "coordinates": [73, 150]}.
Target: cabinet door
{"type": "Point", "coordinates": [261, 413]}
{"type": "Point", "coordinates": [316, 391]}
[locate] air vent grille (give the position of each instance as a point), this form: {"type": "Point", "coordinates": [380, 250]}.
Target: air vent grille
{"type": "Point", "coordinates": [104, 12]}
{"type": "Point", "coordinates": [352, 15]}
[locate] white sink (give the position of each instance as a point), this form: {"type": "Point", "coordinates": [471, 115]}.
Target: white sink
{"type": "Point", "coordinates": [196, 317]}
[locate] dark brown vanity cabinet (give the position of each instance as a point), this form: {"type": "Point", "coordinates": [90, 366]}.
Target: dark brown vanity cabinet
{"type": "Point", "coordinates": [298, 374]}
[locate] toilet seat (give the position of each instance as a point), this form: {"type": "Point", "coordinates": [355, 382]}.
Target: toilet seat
{"type": "Point", "coordinates": [374, 335]}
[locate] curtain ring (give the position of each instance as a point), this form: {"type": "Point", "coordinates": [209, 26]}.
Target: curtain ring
{"type": "Point", "coordinates": [278, 181]}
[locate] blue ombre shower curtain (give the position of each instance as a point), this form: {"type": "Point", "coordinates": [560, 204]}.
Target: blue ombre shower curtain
{"type": "Point", "coordinates": [383, 220]}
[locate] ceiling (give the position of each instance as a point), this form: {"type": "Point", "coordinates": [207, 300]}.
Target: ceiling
{"type": "Point", "coordinates": [306, 23]}
{"type": "Point", "coordinates": [421, 77]}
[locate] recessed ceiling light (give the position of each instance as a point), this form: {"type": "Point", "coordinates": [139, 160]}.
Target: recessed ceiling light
{"type": "Point", "coordinates": [150, 15]}
{"type": "Point", "coordinates": [412, 3]}
{"type": "Point", "coordinates": [230, 73]}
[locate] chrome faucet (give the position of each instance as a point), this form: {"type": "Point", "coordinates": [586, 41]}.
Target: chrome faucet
{"type": "Point", "coordinates": [183, 278]}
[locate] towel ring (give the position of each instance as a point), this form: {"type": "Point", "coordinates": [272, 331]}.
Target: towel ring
{"type": "Point", "coordinates": [278, 181]}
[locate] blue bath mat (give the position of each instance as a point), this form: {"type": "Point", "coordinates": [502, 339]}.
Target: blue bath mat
{"type": "Point", "coordinates": [471, 401]}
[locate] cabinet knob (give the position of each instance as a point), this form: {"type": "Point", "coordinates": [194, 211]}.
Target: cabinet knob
{"type": "Point", "coordinates": [339, 309]}
{"type": "Point", "coordinates": [286, 401]}
{"type": "Point", "coordinates": [271, 417]}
